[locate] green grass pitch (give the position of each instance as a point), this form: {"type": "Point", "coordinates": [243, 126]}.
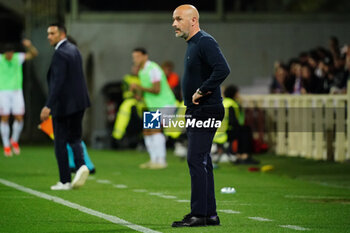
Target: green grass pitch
{"type": "Point", "coordinates": [312, 195]}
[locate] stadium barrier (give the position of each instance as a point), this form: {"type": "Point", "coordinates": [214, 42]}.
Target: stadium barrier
{"type": "Point", "coordinates": [310, 126]}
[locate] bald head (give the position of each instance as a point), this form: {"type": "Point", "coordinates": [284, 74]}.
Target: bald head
{"type": "Point", "coordinates": [186, 21]}
{"type": "Point", "coordinates": [188, 10]}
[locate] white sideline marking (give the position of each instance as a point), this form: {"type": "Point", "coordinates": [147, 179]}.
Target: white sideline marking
{"type": "Point", "coordinates": [313, 197]}
{"type": "Point", "coordinates": [295, 227]}
{"type": "Point", "coordinates": [183, 200]}
{"type": "Point", "coordinates": [120, 186]}
{"type": "Point", "coordinates": [260, 219]}
{"type": "Point", "coordinates": [167, 196]}
{"type": "Point", "coordinates": [103, 181]}
{"type": "Point", "coordinates": [140, 190]}
{"type": "Point", "coordinates": [83, 209]}
{"type": "Point", "coordinates": [229, 211]}
{"type": "Point", "coordinates": [156, 194]}
{"type": "Point", "coordinates": [330, 185]}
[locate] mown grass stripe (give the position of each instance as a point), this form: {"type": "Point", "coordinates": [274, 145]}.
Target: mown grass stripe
{"type": "Point", "coordinates": [103, 181]}
{"type": "Point", "coordinates": [83, 209]}
{"type": "Point", "coordinates": [298, 228]}
{"type": "Point", "coordinates": [229, 211]}
{"type": "Point", "coordinates": [260, 219]}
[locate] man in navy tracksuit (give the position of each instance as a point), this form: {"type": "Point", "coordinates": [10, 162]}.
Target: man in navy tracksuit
{"type": "Point", "coordinates": [205, 69]}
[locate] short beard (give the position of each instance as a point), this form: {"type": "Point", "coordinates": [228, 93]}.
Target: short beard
{"type": "Point", "coordinates": [182, 35]}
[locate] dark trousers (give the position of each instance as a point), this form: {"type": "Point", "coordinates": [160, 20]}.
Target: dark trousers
{"type": "Point", "coordinates": [199, 161]}
{"type": "Point", "coordinates": [68, 129]}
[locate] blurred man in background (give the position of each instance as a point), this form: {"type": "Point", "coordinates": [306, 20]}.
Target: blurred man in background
{"type": "Point", "coordinates": [171, 76]}
{"type": "Point", "coordinates": [157, 96]}
{"type": "Point", "coordinates": [11, 94]}
{"type": "Point", "coordinates": [67, 101]}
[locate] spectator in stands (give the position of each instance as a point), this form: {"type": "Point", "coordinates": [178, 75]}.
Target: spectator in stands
{"type": "Point", "coordinates": [303, 57]}
{"type": "Point", "coordinates": [293, 83]}
{"type": "Point", "coordinates": [334, 47]}
{"type": "Point", "coordinates": [346, 52]}
{"type": "Point", "coordinates": [278, 85]}
{"type": "Point", "coordinates": [309, 83]}
{"type": "Point", "coordinates": [326, 75]}
{"type": "Point", "coordinates": [341, 74]}
{"type": "Point", "coordinates": [289, 82]}
{"type": "Point", "coordinates": [313, 60]}
{"type": "Point", "coordinates": [318, 71]}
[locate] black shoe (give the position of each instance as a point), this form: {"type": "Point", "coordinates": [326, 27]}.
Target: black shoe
{"type": "Point", "coordinates": [213, 221]}
{"type": "Point", "coordinates": [190, 221]}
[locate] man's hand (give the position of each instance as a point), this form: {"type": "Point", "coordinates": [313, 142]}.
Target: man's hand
{"type": "Point", "coordinates": [195, 98]}
{"type": "Point", "coordinates": [197, 95]}
{"type": "Point", "coordinates": [31, 50]}
{"type": "Point", "coordinates": [135, 87]}
{"type": "Point", "coordinates": [45, 113]}
{"type": "Point", "coordinates": [26, 43]}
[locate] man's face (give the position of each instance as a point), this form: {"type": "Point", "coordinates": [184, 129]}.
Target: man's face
{"type": "Point", "coordinates": [54, 35]}
{"type": "Point", "coordinates": [9, 55]}
{"type": "Point", "coordinates": [305, 72]}
{"type": "Point", "coordinates": [167, 70]}
{"type": "Point", "coordinates": [139, 58]}
{"type": "Point", "coordinates": [181, 24]}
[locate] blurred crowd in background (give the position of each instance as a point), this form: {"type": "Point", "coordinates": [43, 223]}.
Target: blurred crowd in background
{"type": "Point", "coordinates": [318, 71]}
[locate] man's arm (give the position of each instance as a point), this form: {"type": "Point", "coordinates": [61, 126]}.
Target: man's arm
{"type": "Point", "coordinates": [31, 50]}
{"type": "Point", "coordinates": [216, 60]}
{"type": "Point", "coordinates": [155, 89]}
{"type": "Point", "coordinates": [156, 77]}
{"type": "Point", "coordinates": [58, 76]}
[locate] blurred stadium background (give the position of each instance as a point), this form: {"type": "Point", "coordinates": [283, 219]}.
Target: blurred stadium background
{"type": "Point", "coordinates": [253, 35]}
{"type": "Point", "coordinates": [297, 195]}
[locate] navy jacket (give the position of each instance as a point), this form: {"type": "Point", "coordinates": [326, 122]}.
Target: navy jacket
{"type": "Point", "coordinates": [205, 68]}
{"type": "Point", "coordinates": [68, 92]}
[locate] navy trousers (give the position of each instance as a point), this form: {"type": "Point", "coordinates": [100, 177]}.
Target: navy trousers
{"type": "Point", "coordinates": [199, 161]}
{"type": "Point", "coordinates": [68, 129]}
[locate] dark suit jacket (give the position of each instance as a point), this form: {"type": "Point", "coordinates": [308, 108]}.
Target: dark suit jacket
{"type": "Point", "coordinates": [68, 92]}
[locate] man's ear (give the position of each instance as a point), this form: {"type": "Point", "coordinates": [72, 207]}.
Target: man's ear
{"type": "Point", "coordinates": [194, 20]}
{"type": "Point", "coordinates": [62, 35]}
